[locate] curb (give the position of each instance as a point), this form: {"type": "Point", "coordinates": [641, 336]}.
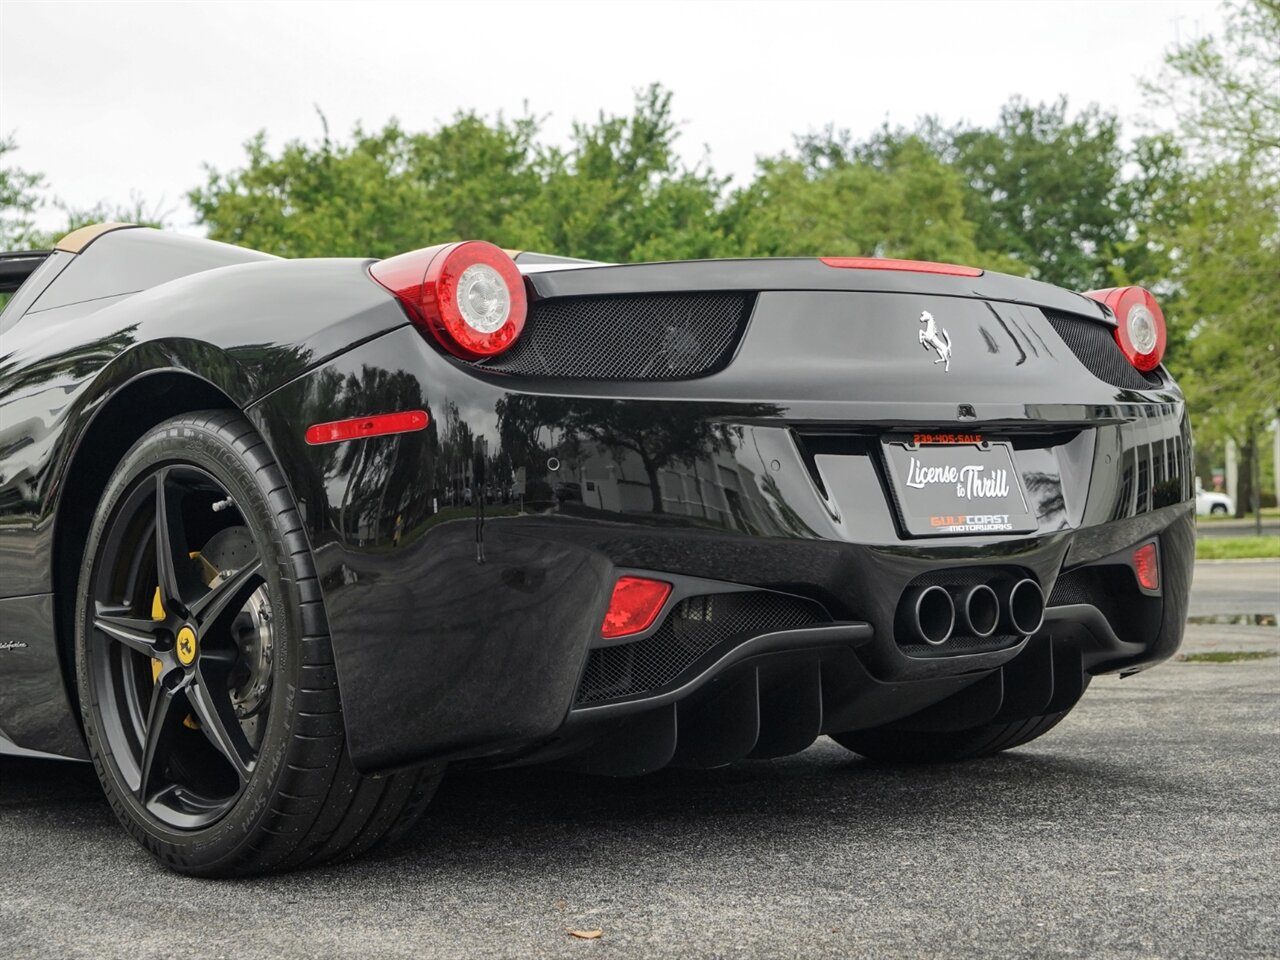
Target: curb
{"type": "Point", "coordinates": [1243, 560]}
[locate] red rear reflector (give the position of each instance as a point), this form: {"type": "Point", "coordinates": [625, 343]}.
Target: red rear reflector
{"type": "Point", "coordinates": [1146, 564]}
{"type": "Point", "coordinates": [635, 605]}
{"type": "Point", "coordinates": [357, 427]}
{"type": "Point", "coordinates": [914, 266]}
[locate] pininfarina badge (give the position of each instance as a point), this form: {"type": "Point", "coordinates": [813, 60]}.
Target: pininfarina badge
{"type": "Point", "coordinates": [936, 338]}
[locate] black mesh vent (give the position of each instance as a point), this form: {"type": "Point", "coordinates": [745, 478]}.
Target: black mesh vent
{"type": "Point", "coordinates": [1078, 586]}
{"type": "Point", "coordinates": [650, 337]}
{"type": "Point", "coordinates": [694, 626]}
{"type": "Point", "coordinates": [1095, 346]}
{"type": "Point", "coordinates": [1113, 589]}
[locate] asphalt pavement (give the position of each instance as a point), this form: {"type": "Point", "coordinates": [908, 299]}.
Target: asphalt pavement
{"type": "Point", "coordinates": [1146, 825]}
{"type": "Point", "coordinates": [1228, 597]}
{"type": "Point", "coordinates": [1225, 587]}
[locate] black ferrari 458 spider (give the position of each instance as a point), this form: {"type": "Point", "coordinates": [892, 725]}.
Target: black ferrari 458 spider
{"type": "Point", "coordinates": [282, 540]}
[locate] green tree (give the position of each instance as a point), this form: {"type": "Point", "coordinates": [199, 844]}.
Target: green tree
{"type": "Point", "coordinates": [19, 199]}
{"type": "Point", "coordinates": [618, 192]}
{"type": "Point", "coordinates": [1225, 91]}
{"type": "Point", "coordinates": [906, 202]}
{"type": "Point", "coordinates": [1230, 252]}
{"type": "Point", "coordinates": [1225, 250]}
{"type": "Point", "coordinates": [1045, 192]}
{"type": "Point", "coordinates": [621, 192]}
{"type": "Point", "coordinates": [382, 194]}
{"type": "Point", "coordinates": [1046, 189]}
{"type": "Point", "coordinates": [1230, 283]}
{"type": "Point", "coordinates": [1158, 196]}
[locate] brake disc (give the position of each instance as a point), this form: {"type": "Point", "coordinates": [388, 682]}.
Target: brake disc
{"type": "Point", "coordinates": [252, 629]}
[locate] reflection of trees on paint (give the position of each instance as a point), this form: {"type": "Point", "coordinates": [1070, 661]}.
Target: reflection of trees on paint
{"type": "Point", "coordinates": [1045, 490]}
{"type": "Point", "coordinates": [659, 438]}
{"type": "Point", "coordinates": [454, 470]}
{"type": "Point", "coordinates": [69, 366]}
{"type": "Point", "coordinates": [377, 487]}
{"type": "Point", "coordinates": [378, 477]}
{"type": "Point", "coordinates": [786, 514]}
{"type": "Point", "coordinates": [381, 476]}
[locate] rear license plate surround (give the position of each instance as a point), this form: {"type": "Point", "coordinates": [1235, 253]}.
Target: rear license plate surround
{"type": "Point", "coordinates": [947, 485]}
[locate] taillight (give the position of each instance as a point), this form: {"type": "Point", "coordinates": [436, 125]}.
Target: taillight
{"type": "Point", "coordinates": [468, 295]}
{"type": "Point", "coordinates": [913, 266]}
{"type": "Point", "coordinates": [635, 604]}
{"type": "Point", "coordinates": [1140, 328]}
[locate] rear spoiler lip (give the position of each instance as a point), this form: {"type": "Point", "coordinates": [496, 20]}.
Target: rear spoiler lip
{"type": "Point", "coordinates": [793, 273]}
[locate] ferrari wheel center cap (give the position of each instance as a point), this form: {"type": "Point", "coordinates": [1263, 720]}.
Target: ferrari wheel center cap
{"type": "Point", "coordinates": [185, 645]}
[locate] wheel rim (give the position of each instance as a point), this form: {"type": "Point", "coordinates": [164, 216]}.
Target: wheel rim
{"type": "Point", "coordinates": [179, 648]}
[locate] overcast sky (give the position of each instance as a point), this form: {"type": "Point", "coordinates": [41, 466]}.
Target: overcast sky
{"type": "Point", "coordinates": [110, 100]}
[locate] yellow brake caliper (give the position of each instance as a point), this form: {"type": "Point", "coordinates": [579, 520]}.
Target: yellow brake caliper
{"type": "Point", "coordinates": [157, 613]}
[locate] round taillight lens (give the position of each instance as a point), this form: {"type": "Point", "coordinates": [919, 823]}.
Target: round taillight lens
{"type": "Point", "coordinates": [1140, 329]}
{"type": "Point", "coordinates": [469, 295]}
{"type": "Point", "coordinates": [484, 302]}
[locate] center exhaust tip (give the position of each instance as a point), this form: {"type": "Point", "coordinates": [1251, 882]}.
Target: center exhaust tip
{"type": "Point", "coordinates": [979, 610]}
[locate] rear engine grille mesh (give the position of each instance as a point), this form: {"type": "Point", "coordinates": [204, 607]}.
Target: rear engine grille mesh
{"type": "Point", "coordinates": [642, 337]}
{"type": "Point", "coordinates": [1095, 346]}
{"type": "Point", "coordinates": [695, 626]}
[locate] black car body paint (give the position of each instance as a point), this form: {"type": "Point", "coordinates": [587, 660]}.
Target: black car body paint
{"type": "Point", "coordinates": [466, 568]}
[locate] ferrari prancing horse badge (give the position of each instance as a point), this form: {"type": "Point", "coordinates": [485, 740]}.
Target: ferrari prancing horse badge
{"type": "Point", "coordinates": [935, 337]}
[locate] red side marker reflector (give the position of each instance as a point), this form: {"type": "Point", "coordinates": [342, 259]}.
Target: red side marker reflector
{"type": "Point", "coordinates": [913, 266]}
{"type": "Point", "coordinates": [1146, 564]}
{"type": "Point", "coordinates": [636, 603]}
{"type": "Point", "coordinates": [336, 431]}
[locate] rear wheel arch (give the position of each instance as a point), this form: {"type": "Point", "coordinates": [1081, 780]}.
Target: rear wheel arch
{"type": "Point", "coordinates": [119, 422]}
{"type": "Point", "coordinates": [300, 802]}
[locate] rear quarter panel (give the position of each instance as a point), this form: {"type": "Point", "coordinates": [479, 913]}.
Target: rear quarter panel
{"type": "Point", "coordinates": [233, 322]}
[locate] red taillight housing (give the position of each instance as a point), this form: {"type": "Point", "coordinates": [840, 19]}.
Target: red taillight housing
{"type": "Point", "coordinates": [635, 604]}
{"type": "Point", "coordinates": [913, 266]}
{"type": "Point", "coordinates": [1146, 565]}
{"type": "Point", "coordinates": [468, 295]}
{"type": "Point", "coordinates": [1140, 330]}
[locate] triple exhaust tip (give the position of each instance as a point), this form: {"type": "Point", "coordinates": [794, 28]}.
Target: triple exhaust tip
{"type": "Point", "coordinates": [978, 611]}
{"type": "Point", "coordinates": [1023, 609]}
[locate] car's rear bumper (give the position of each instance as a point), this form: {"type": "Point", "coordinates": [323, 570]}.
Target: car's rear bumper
{"type": "Point", "coordinates": [466, 569]}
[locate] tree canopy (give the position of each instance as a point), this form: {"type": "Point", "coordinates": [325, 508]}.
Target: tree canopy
{"type": "Point", "coordinates": [19, 198]}
{"type": "Point", "coordinates": [1043, 192]}
{"type": "Point", "coordinates": [1224, 242]}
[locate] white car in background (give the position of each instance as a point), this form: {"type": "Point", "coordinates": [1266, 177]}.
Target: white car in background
{"type": "Point", "coordinates": [1212, 502]}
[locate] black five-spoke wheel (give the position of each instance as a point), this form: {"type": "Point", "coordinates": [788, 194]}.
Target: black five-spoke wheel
{"type": "Point", "coordinates": [166, 660]}
{"type": "Point", "coordinates": [205, 670]}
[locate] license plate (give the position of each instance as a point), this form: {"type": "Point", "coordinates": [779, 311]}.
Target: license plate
{"type": "Point", "coordinates": [957, 488]}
